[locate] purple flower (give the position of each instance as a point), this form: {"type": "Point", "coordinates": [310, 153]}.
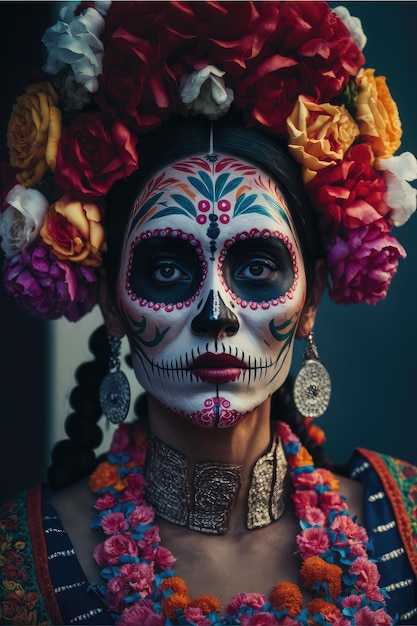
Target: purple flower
{"type": "Point", "coordinates": [49, 288]}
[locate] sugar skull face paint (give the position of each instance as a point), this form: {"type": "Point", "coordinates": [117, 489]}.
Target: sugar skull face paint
{"type": "Point", "coordinates": [212, 285]}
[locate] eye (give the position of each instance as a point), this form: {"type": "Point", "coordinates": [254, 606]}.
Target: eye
{"type": "Point", "coordinates": [257, 269]}
{"type": "Point", "coordinates": [167, 271]}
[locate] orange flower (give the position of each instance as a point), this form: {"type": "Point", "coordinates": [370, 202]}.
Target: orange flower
{"type": "Point", "coordinates": [74, 231]}
{"type": "Point", "coordinates": [173, 602]}
{"type": "Point", "coordinates": [315, 569]}
{"type": "Point", "coordinates": [33, 133]}
{"type": "Point", "coordinates": [319, 135]}
{"type": "Point", "coordinates": [105, 475]}
{"type": "Point", "coordinates": [329, 611]}
{"type": "Point", "coordinates": [329, 479]}
{"type": "Point", "coordinates": [377, 114]}
{"type": "Point", "coordinates": [207, 604]}
{"type": "Point", "coordinates": [288, 596]}
{"type": "Point", "coordinates": [177, 584]}
{"type": "Point", "coordinates": [317, 434]}
{"type": "Point", "coordinates": [301, 459]}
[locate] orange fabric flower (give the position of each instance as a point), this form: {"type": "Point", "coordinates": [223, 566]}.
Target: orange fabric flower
{"type": "Point", "coordinates": [377, 114]}
{"type": "Point", "coordinates": [301, 459]}
{"type": "Point", "coordinates": [173, 602]}
{"type": "Point", "coordinates": [329, 611]}
{"type": "Point", "coordinates": [33, 133]}
{"type": "Point", "coordinates": [329, 479]}
{"type": "Point", "coordinates": [106, 475]}
{"type": "Point", "coordinates": [177, 584]}
{"type": "Point", "coordinates": [74, 231]}
{"type": "Point", "coordinates": [319, 135]}
{"type": "Point", "coordinates": [315, 569]}
{"type": "Point", "coordinates": [317, 434]}
{"type": "Point", "coordinates": [207, 604]}
{"type": "Point", "coordinates": [288, 596]}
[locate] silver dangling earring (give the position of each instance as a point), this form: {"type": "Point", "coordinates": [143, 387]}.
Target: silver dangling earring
{"type": "Point", "coordinates": [114, 393]}
{"type": "Point", "coordinates": [312, 386]}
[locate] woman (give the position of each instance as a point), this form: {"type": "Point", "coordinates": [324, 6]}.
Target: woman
{"type": "Point", "coordinates": [211, 300]}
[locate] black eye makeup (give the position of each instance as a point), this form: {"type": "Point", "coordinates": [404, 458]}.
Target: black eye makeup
{"type": "Point", "coordinates": [165, 270]}
{"type": "Point", "coordinates": [258, 269]}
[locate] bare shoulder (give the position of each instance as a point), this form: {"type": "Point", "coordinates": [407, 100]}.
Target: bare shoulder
{"type": "Point", "coordinates": [353, 491]}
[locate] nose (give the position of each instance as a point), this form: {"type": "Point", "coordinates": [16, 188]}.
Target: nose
{"type": "Point", "coordinates": [215, 318]}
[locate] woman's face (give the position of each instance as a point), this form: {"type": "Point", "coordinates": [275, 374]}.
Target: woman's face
{"type": "Point", "coordinates": [212, 285]}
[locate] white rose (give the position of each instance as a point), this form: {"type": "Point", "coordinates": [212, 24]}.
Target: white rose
{"type": "Point", "coordinates": [21, 221]}
{"type": "Point", "coordinates": [400, 196]}
{"type": "Point", "coordinates": [75, 47]}
{"type": "Point", "coordinates": [204, 92]}
{"type": "Point", "coordinates": [354, 26]}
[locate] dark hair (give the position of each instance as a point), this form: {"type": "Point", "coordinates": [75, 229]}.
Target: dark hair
{"type": "Point", "coordinates": [74, 458]}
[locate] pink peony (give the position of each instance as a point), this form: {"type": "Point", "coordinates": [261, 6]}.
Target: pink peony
{"type": "Point", "coordinates": [366, 617]}
{"type": "Point", "coordinates": [139, 577]}
{"type": "Point", "coordinates": [151, 537]}
{"type": "Point", "coordinates": [135, 489]}
{"type": "Point", "coordinates": [117, 545]}
{"type": "Point", "coordinates": [367, 572]}
{"type": "Point", "coordinates": [332, 501]}
{"type": "Point", "coordinates": [305, 503]}
{"type": "Point", "coordinates": [114, 523]}
{"type": "Point", "coordinates": [141, 614]}
{"type": "Point", "coordinates": [115, 593]}
{"type": "Point", "coordinates": [363, 265]}
{"type": "Point", "coordinates": [313, 541]}
{"type": "Point", "coordinates": [352, 602]}
{"type": "Point", "coordinates": [253, 600]}
{"type": "Point", "coordinates": [353, 532]}
{"type": "Point", "coordinates": [48, 288]}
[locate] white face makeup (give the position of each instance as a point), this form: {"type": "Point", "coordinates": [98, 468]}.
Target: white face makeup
{"type": "Point", "coordinates": [212, 285]}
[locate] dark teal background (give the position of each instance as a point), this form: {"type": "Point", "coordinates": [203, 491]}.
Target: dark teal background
{"type": "Point", "coordinates": [371, 351]}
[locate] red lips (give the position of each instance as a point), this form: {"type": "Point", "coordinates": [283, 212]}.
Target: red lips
{"type": "Point", "coordinates": [217, 368]}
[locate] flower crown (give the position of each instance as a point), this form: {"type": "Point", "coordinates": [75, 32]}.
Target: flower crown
{"type": "Point", "coordinates": [115, 71]}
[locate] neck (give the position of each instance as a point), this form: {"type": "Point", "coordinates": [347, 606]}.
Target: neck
{"type": "Point", "coordinates": [228, 455]}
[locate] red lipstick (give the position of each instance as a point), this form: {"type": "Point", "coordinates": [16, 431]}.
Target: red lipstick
{"type": "Point", "coordinates": [217, 368]}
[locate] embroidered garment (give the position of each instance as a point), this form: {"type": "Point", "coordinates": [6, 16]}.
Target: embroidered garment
{"type": "Point", "coordinates": [41, 580]}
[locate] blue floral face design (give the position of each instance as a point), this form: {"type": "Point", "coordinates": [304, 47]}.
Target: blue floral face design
{"type": "Point", "coordinates": [212, 285]}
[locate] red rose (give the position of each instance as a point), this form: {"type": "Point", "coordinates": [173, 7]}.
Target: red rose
{"type": "Point", "coordinates": [310, 52]}
{"type": "Point", "coordinates": [350, 194]}
{"type": "Point", "coordinates": [93, 155]}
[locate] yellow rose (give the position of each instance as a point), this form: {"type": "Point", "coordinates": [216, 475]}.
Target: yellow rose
{"type": "Point", "coordinates": [74, 231]}
{"type": "Point", "coordinates": [33, 133]}
{"type": "Point", "coordinates": [319, 135]}
{"type": "Point", "coordinates": [377, 114]}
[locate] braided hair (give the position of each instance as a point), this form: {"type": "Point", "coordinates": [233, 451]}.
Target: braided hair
{"type": "Point", "coordinates": [74, 457]}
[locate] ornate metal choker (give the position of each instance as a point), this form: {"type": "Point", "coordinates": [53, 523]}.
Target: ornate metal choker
{"type": "Point", "coordinates": [203, 501]}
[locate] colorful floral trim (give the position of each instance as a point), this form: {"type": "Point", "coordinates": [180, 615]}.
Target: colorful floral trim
{"type": "Point", "coordinates": [26, 593]}
{"type": "Point", "coordinates": [140, 578]}
{"type": "Point", "coordinates": [115, 71]}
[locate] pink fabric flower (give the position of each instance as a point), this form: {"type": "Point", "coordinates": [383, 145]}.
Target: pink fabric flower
{"type": "Point", "coordinates": [99, 555]}
{"type": "Point", "coordinates": [135, 489]}
{"type": "Point", "coordinates": [141, 614]}
{"type": "Point", "coordinates": [352, 602]}
{"type": "Point", "coordinates": [259, 619]}
{"type": "Point", "coordinates": [114, 523]}
{"type": "Point", "coordinates": [253, 600]}
{"type": "Point", "coordinates": [138, 576]}
{"type": "Point", "coordinates": [164, 558]}
{"type": "Point", "coordinates": [141, 515]}
{"type": "Point", "coordinates": [306, 508]}
{"type": "Point", "coordinates": [151, 537]}
{"type": "Point", "coordinates": [331, 501]}
{"type": "Point", "coordinates": [117, 545]}
{"type": "Point", "coordinates": [196, 616]}
{"type": "Point", "coordinates": [115, 592]}
{"type": "Point", "coordinates": [121, 439]}
{"type": "Point", "coordinates": [48, 288]}
{"type": "Point", "coordinates": [367, 617]}
{"type": "Point", "coordinates": [313, 541]}
{"type": "Point", "coordinates": [362, 266]}
{"type": "Point", "coordinates": [106, 502]}
{"type": "Point", "coordinates": [367, 572]}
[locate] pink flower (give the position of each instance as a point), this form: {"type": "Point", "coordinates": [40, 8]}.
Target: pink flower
{"type": "Point", "coordinates": [313, 541]}
{"type": "Point", "coordinates": [114, 523]}
{"type": "Point", "coordinates": [48, 288]}
{"type": "Point", "coordinates": [382, 618]}
{"type": "Point", "coordinates": [196, 616]}
{"type": "Point", "coordinates": [286, 434]}
{"type": "Point", "coordinates": [151, 537]}
{"type": "Point", "coordinates": [105, 502]}
{"type": "Point", "coordinates": [117, 545]}
{"type": "Point", "coordinates": [121, 439]}
{"type": "Point", "coordinates": [115, 592]}
{"type": "Point", "coordinates": [363, 265]}
{"type": "Point", "coordinates": [353, 532]}
{"type": "Point", "coordinates": [164, 559]}
{"type": "Point", "coordinates": [374, 593]}
{"type": "Point", "coordinates": [358, 549]}
{"type": "Point", "coordinates": [305, 503]}
{"type": "Point", "coordinates": [332, 501]}
{"type": "Point", "coordinates": [138, 576]}
{"type": "Point", "coordinates": [141, 613]}
{"type": "Point", "coordinates": [367, 572]}
{"type": "Point", "coordinates": [366, 617]}
{"type": "Point", "coordinates": [253, 600]}
{"type": "Point", "coordinates": [259, 619]}
{"type": "Point", "coordinates": [134, 491]}
{"type": "Point", "coordinates": [100, 555]}
{"type": "Point", "coordinates": [352, 602]}
{"type": "Point", "coordinates": [141, 515]}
